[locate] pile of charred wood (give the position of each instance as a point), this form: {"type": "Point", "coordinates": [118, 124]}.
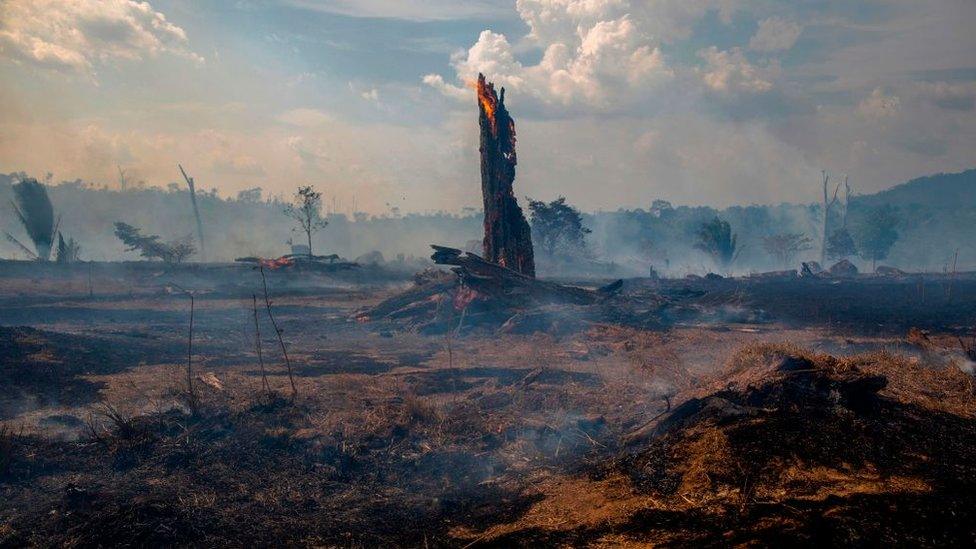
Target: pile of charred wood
{"type": "Point", "coordinates": [481, 294]}
{"type": "Point", "coordinates": [324, 263]}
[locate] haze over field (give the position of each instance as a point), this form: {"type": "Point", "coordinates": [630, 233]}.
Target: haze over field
{"type": "Point", "coordinates": [487, 273]}
{"type": "Point", "coordinates": [714, 102]}
{"type": "Point", "coordinates": [935, 219]}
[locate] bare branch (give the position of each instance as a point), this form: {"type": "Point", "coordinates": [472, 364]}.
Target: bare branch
{"type": "Point", "coordinates": [17, 243]}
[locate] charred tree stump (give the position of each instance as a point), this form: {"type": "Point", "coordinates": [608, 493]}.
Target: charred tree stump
{"type": "Point", "coordinates": [508, 239]}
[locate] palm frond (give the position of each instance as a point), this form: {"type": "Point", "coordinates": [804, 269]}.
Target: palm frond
{"type": "Point", "coordinates": [33, 207]}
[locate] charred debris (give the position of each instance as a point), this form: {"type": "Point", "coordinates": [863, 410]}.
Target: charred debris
{"type": "Point", "coordinates": [499, 289]}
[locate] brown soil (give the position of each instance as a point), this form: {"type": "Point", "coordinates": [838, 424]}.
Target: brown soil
{"type": "Point", "coordinates": [726, 428]}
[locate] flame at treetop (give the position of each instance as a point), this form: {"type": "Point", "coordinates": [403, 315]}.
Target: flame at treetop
{"type": "Point", "coordinates": [488, 100]}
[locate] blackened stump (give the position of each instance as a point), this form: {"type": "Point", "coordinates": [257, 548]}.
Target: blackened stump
{"type": "Point", "coordinates": [508, 240]}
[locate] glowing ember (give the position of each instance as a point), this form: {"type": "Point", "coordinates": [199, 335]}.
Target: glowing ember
{"type": "Point", "coordinates": [464, 297]}
{"type": "Point", "coordinates": [273, 264]}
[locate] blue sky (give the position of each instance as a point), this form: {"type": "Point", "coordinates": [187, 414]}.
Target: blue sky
{"type": "Point", "coordinates": [616, 102]}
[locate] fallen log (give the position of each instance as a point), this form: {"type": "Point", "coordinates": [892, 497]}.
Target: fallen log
{"type": "Point", "coordinates": [513, 288]}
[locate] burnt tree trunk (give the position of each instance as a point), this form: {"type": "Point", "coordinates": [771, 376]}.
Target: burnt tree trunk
{"type": "Point", "coordinates": [508, 240]}
{"type": "Point", "coordinates": [196, 212]}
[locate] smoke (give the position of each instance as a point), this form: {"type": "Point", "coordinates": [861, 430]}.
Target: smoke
{"type": "Point", "coordinates": [622, 243]}
{"type": "Point", "coordinates": [249, 226]}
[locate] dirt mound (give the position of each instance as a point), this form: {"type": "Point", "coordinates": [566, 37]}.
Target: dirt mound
{"type": "Point", "coordinates": [790, 448]}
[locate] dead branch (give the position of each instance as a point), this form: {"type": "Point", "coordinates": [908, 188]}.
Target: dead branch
{"type": "Point", "coordinates": [274, 323]}
{"type": "Point", "coordinates": [827, 205]}
{"type": "Point", "coordinates": [191, 395]}
{"type": "Point", "coordinates": [257, 339]}
{"type": "Point", "coordinates": [25, 249]}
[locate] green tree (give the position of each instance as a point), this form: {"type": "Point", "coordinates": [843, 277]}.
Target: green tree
{"type": "Point", "coordinates": [151, 247]}
{"type": "Point", "coordinates": [33, 208]}
{"type": "Point", "coordinates": [306, 210]}
{"type": "Point", "coordinates": [716, 239]}
{"type": "Point", "coordinates": [840, 244]}
{"type": "Point", "coordinates": [877, 233]}
{"type": "Point", "coordinates": [558, 227]}
{"type": "Point", "coordinates": [785, 246]}
{"type": "Point", "coordinates": [250, 196]}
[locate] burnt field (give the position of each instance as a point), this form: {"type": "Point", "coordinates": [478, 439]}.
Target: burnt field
{"type": "Point", "coordinates": [701, 411]}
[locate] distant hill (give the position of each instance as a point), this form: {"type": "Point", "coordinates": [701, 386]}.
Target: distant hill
{"type": "Point", "coordinates": [944, 190]}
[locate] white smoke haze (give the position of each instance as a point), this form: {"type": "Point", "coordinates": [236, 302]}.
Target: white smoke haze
{"type": "Point", "coordinates": [713, 102]}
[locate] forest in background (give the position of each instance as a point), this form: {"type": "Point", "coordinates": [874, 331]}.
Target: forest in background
{"type": "Point", "coordinates": [933, 217]}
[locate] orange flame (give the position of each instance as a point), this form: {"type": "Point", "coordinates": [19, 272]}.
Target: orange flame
{"type": "Point", "coordinates": [488, 100]}
{"type": "Point", "coordinates": [273, 264]}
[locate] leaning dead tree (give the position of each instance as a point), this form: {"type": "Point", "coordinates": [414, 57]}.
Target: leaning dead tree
{"type": "Point", "coordinates": [508, 239]}
{"type": "Point", "coordinates": [196, 211]}
{"type": "Point", "coordinates": [827, 205]}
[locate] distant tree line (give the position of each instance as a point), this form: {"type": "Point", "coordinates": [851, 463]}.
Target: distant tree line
{"type": "Point", "coordinates": [915, 228]}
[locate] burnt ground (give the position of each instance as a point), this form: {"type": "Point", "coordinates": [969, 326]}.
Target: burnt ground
{"type": "Point", "coordinates": [803, 411]}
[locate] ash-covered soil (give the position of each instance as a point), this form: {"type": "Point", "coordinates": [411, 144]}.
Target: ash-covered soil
{"type": "Point", "coordinates": [785, 412]}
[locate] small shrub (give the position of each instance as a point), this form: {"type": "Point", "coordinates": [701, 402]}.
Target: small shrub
{"type": "Point", "coordinates": [122, 427]}
{"type": "Point", "coordinates": [418, 411]}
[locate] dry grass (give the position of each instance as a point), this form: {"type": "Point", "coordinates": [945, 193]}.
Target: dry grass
{"type": "Point", "coordinates": [784, 444]}
{"type": "Point", "coordinates": [7, 441]}
{"type": "Point", "coordinates": [520, 443]}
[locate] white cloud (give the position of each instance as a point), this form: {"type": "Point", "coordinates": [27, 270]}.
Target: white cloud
{"type": "Point", "coordinates": [729, 127]}
{"type": "Point", "coordinates": [492, 55]}
{"type": "Point", "coordinates": [552, 21]}
{"type": "Point", "coordinates": [437, 82]}
{"type": "Point", "coordinates": [75, 35]}
{"type": "Point", "coordinates": [367, 93]}
{"type": "Point", "coordinates": [413, 10]}
{"type": "Point", "coordinates": [775, 34]}
{"type": "Point", "coordinates": [958, 97]}
{"type": "Point", "coordinates": [593, 56]}
{"type": "Point", "coordinates": [730, 72]}
{"type": "Point", "coordinates": [879, 105]}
